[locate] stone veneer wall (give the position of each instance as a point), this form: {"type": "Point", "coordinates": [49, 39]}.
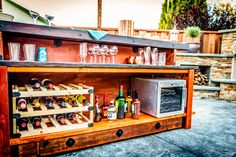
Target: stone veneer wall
{"type": "Point", "coordinates": [220, 67]}
{"type": "Point", "coordinates": [228, 91]}
{"type": "Point", "coordinates": [199, 94]}
{"type": "Point", "coordinates": [228, 45]}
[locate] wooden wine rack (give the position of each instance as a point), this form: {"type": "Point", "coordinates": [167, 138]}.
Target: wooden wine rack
{"type": "Point", "coordinates": [48, 123]}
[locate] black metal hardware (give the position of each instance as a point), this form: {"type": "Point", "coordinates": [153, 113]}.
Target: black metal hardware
{"type": "Point", "coordinates": [90, 91]}
{"type": "Point", "coordinates": [17, 135]}
{"type": "Point", "coordinates": [1, 57]}
{"type": "Point", "coordinates": [119, 133]}
{"type": "Point", "coordinates": [57, 42]}
{"type": "Point", "coordinates": [90, 108]}
{"type": "Point", "coordinates": [16, 94]}
{"type": "Point", "coordinates": [90, 124]}
{"type": "Point", "coordinates": [70, 142]}
{"type": "Point", "coordinates": [16, 115]}
{"type": "Point", "coordinates": [135, 49]}
{"type": "Point", "coordinates": [45, 143]}
{"type": "Point", "coordinates": [2, 25]}
{"type": "Point", "coordinates": [158, 125]}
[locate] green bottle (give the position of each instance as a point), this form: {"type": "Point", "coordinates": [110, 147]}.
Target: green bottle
{"type": "Point", "coordinates": [120, 103]}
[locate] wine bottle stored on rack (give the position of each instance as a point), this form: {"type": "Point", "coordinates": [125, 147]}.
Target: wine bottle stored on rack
{"type": "Point", "coordinates": [48, 102]}
{"type": "Point", "coordinates": [60, 118]}
{"type": "Point", "coordinates": [71, 100]}
{"type": "Point", "coordinates": [21, 104]}
{"type": "Point", "coordinates": [36, 121]}
{"type": "Point", "coordinates": [22, 123]}
{"type": "Point", "coordinates": [71, 116]}
{"type": "Point", "coordinates": [60, 102]}
{"type": "Point", "coordinates": [47, 83]}
{"type": "Point", "coordinates": [82, 99]}
{"type": "Point", "coordinates": [35, 83]}
{"type": "Point", "coordinates": [35, 102]}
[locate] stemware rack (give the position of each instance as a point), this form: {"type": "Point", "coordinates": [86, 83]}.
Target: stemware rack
{"type": "Point", "coordinates": [48, 123]}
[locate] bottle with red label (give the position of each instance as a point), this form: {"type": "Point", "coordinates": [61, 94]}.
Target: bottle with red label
{"type": "Point", "coordinates": [35, 83]}
{"type": "Point", "coordinates": [60, 118]}
{"type": "Point", "coordinates": [104, 106]}
{"type": "Point", "coordinates": [47, 83]}
{"type": "Point", "coordinates": [22, 123]}
{"type": "Point", "coordinates": [36, 121]}
{"type": "Point", "coordinates": [21, 104]}
{"type": "Point", "coordinates": [71, 116]}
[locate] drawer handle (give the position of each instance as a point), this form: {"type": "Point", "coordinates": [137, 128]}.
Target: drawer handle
{"type": "Point", "coordinates": [158, 125]}
{"type": "Point", "coordinates": [119, 133]}
{"type": "Point", "coordinates": [70, 142]}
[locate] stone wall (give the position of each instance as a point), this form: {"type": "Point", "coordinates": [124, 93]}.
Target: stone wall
{"type": "Point", "coordinates": [220, 67]}
{"type": "Point", "coordinates": [206, 94]}
{"type": "Point", "coordinates": [228, 91]}
{"type": "Point", "coordinates": [228, 45]}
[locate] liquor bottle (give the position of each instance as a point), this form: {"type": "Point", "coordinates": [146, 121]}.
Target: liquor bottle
{"type": "Point", "coordinates": [111, 111]}
{"type": "Point", "coordinates": [35, 83]}
{"type": "Point", "coordinates": [60, 102]}
{"type": "Point", "coordinates": [104, 106]}
{"type": "Point", "coordinates": [135, 107]}
{"type": "Point", "coordinates": [60, 118]}
{"type": "Point", "coordinates": [22, 123]}
{"type": "Point", "coordinates": [21, 104]}
{"type": "Point", "coordinates": [82, 99]}
{"type": "Point", "coordinates": [47, 83]}
{"type": "Point", "coordinates": [71, 116]}
{"type": "Point", "coordinates": [120, 103]}
{"type": "Point", "coordinates": [98, 116]}
{"type": "Point", "coordinates": [36, 121]}
{"type": "Point", "coordinates": [129, 103]}
{"type": "Point", "coordinates": [35, 102]}
{"type": "Point", "coordinates": [48, 102]}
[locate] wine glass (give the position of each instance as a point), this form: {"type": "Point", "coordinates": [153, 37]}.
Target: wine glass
{"type": "Point", "coordinates": [90, 52]}
{"type": "Point", "coordinates": [96, 51]}
{"type": "Point", "coordinates": [34, 15]}
{"type": "Point", "coordinates": [113, 53]}
{"type": "Point", "coordinates": [103, 51]}
{"type": "Point", "coordinates": [83, 52]}
{"type": "Point", "coordinates": [154, 56]}
{"type": "Point", "coordinates": [147, 52]}
{"type": "Point", "coordinates": [49, 19]}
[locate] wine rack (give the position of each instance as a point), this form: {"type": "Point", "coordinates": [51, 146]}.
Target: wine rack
{"type": "Point", "coordinates": [48, 123]}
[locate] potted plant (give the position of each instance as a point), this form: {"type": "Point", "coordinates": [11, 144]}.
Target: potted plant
{"type": "Point", "coordinates": [5, 17]}
{"type": "Point", "coordinates": [193, 33]}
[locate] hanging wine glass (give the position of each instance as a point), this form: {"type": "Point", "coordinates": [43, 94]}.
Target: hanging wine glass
{"type": "Point", "coordinates": [113, 52]}
{"type": "Point", "coordinates": [154, 56]}
{"type": "Point", "coordinates": [34, 15]}
{"type": "Point", "coordinates": [83, 52]}
{"type": "Point", "coordinates": [96, 51]}
{"type": "Point", "coordinates": [108, 56]}
{"type": "Point", "coordinates": [103, 51]}
{"type": "Point", "coordinates": [90, 53]}
{"type": "Point", "coordinates": [49, 19]}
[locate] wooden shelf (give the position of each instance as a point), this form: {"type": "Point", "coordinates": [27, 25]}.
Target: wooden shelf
{"type": "Point", "coordinates": [98, 127]}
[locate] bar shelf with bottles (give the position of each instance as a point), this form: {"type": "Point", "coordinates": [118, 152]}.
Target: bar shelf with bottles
{"type": "Point", "coordinates": [46, 104]}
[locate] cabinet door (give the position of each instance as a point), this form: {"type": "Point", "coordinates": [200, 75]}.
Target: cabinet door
{"type": "Point", "coordinates": [4, 114]}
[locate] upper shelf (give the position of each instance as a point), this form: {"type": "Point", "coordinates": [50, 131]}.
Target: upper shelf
{"type": "Point", "coordinates": [81, 35]}
{"type": "Point", "coordinates": [87, 68]}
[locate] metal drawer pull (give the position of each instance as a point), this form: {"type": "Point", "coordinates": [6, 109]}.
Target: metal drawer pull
{"type": "Point", "coordinates": [119, 133]}
{"type": "Point", "coordinates": [158, 125]}
{"type": "Point", "coordinates": [70, 142]}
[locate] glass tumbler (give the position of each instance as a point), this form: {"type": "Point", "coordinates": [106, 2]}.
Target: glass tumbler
{"type": "Point", "coordinates": [14, 51]}
{"type": "Point", "coordinates": [29, 52]}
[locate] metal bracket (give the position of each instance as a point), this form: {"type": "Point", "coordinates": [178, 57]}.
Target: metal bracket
{"type": "Point", "coordinates": [16, 115]}
{"type": "Point", "coordinates": [135, 49]}
{"type": "Point", "coordinates": [57, 42]}
{"type": "Point", "coordinates": [90, 124]}
{"type": "Point", "coordinates": [17, 135]}
{"type": "Point", "coordinates": [90, 108]}
{"type": "Point", "coordinates": [90, 91]}
{"type": "Point", "coordinates": [1, 58]}
{"type": "Point", "coordinates": [16, 94]}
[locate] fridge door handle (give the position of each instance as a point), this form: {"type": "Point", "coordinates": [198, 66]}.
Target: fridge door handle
{"type": "Point", "coordinates": [184, 98]}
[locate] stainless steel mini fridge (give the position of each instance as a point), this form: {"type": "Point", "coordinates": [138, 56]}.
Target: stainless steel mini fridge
{"type": "Point", "coordinates": [160, 97]}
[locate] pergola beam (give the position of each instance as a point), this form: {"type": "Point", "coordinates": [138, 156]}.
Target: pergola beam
{"type": "Point", "coordinates": [99, 18]}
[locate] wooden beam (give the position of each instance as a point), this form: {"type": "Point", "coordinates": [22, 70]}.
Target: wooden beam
{"type": "Point", "coordinates": [99, 22]}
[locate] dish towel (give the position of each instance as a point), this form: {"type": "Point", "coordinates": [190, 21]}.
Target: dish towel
{"type": "Point", "coordinates": [97, 35]}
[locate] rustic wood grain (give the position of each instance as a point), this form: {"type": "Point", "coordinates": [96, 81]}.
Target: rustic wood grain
{"type": "Point", "coordinates": [1, 46]}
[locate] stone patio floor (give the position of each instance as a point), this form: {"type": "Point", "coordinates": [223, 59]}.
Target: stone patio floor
{"type": "Point", "coordinates": [213, 134]}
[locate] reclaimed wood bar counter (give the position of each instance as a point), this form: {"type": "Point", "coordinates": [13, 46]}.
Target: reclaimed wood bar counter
{"type": "Point", "coordinates": [63, 66]}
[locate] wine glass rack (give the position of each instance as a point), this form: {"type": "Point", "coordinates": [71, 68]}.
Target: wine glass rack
{"type": "Point", "coordinates": [48, 123]}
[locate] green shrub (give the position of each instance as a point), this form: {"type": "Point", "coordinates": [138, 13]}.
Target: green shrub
{"type": "Point", "coordinates": [192, 32]}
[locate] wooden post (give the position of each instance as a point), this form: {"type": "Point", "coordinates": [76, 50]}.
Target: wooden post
{"type": "Point", "coordinates": [4, 114]}
{"type": "Point", "coordinates": [99, 23]}
{"type": "Point", "coordinates": [126, 27]}
{"type": "Point", "coordinates": [188, 119]}
{"type": "Point", "coordinates": [1, 46]}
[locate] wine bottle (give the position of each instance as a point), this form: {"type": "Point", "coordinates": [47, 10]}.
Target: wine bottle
{"type": "Point", "coordinates": [129, 103]}
{"type": "Point", "coordinates": [36, 121]}
{"type": "Point", "coordinates": [60, 118]}
{"type": "Point", "coordinates": [98, 115]}
{"type": "Point", "coordinates": [35, 83]}
{"type": "Point", "coordinates": [111, 111]}
{"type": "Point", "coordinates": [35, 102]}
{"type": "Point", "coordinates": [21, 104]}
{"type": "Point", "coordinates": [60, 102]}
{"type": "Point", "coordinates": [47, 83]}
{"type": "Point", "coordinates": [82, 99]}
{"type": "Point", "coordinates": [70, 99]}
{"type": "Point", "coordinates": [22, 123]}
{"type": "Point", "coordinates": [104, 106]}
{"type": "Point", "coordinates": [48, 102]}
{"type": "Point", "coordinates": [120, 103]}
{"type": "Point", "coordinates": [136, 107]}
{"type": "Point", "coordinates": [71, 116]}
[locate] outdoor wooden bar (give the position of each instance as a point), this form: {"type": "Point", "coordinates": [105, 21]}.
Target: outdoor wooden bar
{"type": "Point", "coordinates": [63, 66]}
